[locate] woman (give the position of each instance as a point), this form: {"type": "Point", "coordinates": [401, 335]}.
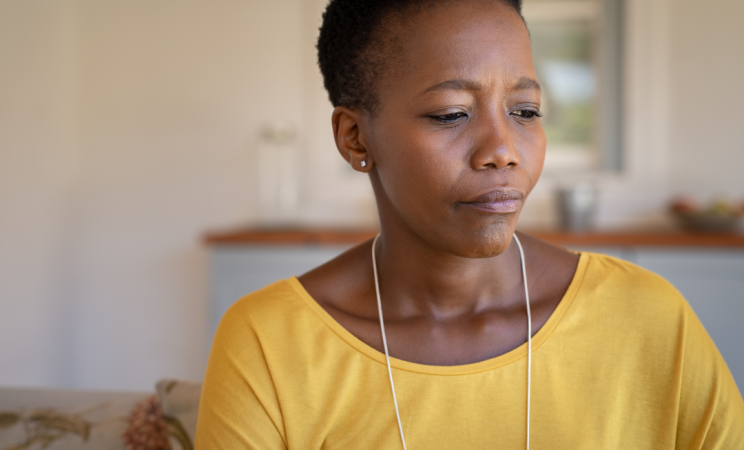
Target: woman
{"type": "Point", "coordinates": [438, 102]}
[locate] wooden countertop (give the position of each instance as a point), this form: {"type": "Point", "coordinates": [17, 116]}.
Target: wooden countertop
{"type": "Point", "coordinates": [642, 239]}
{"type": "Point", "coordinates": [597, 238]}
{"type": "Point", "coordinates": [289, 236]}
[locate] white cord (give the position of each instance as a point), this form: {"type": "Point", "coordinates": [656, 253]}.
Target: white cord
{"type": "Point", "coordinates": [384, 341]}
{"type": "Point", "coordinates": [387, 355]}
{"type": "Point", "coordinates": [529, 335]}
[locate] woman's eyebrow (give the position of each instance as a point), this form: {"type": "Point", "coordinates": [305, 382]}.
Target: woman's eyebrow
{"type": "Point", "coordinates": [525, 83]}
{"type": "Point", "coordinates": [460, 84]}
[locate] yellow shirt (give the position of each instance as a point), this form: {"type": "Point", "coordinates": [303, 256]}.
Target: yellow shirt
{"type": "Point", "coordinates": [623, 363]}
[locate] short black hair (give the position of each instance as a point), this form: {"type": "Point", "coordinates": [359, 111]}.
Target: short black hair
{"type": "Point", "coordinates": [351, 48]}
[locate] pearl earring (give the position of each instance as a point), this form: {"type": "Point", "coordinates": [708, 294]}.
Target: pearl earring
{"type": "Point", "coordinates": [364, 163]}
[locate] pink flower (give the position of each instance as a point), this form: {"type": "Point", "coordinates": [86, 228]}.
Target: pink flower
{"type": "Point", "coordinates": [147, 429]}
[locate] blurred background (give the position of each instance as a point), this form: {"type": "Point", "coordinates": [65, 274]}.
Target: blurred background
{"type": "Point", "coordinates": [130, 129]}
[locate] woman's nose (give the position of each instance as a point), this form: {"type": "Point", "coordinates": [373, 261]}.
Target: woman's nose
{"type": "Point", "coordinates": [494, 148]}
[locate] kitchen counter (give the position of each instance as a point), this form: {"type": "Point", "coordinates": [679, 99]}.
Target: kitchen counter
{"type": "Point", "coordinates": [595, 238]}
{"type": "Point", "coordinates": [707, 268]}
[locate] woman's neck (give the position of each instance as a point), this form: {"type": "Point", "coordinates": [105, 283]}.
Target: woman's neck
{"type": "Point", "coordinates": [419, 279]}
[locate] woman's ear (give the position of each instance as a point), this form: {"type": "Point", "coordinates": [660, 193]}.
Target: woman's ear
{"type": "Point", "coordinates": [349, 139]}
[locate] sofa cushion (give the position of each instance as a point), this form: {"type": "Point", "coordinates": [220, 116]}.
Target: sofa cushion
{"type": "Point", "coordinates": [180, 401]}
{"type": "Point", "coordinates": [65, 419]}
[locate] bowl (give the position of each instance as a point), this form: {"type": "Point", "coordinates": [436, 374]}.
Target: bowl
{"type": "Point", "coordinates": [707, 221]}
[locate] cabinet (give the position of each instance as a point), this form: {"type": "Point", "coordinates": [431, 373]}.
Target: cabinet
{"type": "Point", "coordinates": [710, 276]}
{"type": "Point", "coordinates": [712, 281]}
{"type": "Point", "coordinates": [241, 269]}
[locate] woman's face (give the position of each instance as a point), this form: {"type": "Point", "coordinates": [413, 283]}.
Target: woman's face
{"type": "Point", "coordinates": [456, 143]}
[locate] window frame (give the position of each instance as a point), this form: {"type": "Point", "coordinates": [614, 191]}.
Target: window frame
{"type": "Point", "coordinates": [606, 154]}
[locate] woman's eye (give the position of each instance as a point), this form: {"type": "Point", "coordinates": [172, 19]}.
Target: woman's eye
{"type": "Point", "coordinates": [527, 113]}
{"type": "Point", "coordinates": [448, 118]}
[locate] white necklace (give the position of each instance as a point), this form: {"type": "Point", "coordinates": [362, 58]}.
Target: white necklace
{"type": "Point", "coordinates": [529, 338]}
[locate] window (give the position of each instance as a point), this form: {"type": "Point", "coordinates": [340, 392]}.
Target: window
{"type": "Point", "coordinates": [577, 52]}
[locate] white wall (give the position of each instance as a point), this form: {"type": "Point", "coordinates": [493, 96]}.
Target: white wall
{"type": "Point", "coordinates": [173, 94]}
{"type": "Point", "coordinates": [707, 60]}
{"type": "Point", "coordinates": [126, 132]}
{"type": "Point", "coordinates": [38, 166]}
{"type": "Point", "coordinates": [127, 129]}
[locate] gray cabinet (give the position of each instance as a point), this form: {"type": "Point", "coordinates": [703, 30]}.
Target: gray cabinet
{"type": "Point", "coordinates": [711, 280]}
{"type": "Point", "coordinates": [237, 270]}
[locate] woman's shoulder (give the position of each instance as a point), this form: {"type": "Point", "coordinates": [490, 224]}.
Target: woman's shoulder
{"type": "Point", "coordinates": [609, 272]}
{"type": "Point", "coordinates": [629, 292]}
{"type": "Point", "coordinates": [274, 305]}
{"type": "Point", "coordinates": [609, 295]}
{"type": "Point", "coordinates": [591, 272]}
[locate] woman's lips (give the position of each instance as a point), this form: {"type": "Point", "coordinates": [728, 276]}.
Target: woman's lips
{"type": "Point", "coordinates": [502, 201]}
{"type": "Point", "coordinates": [498, 207]}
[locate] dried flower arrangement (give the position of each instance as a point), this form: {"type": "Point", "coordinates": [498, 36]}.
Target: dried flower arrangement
{"type": "Point", "coordinates": [147, 429]}
{"type": "Point", "coordinates": [44, 426]}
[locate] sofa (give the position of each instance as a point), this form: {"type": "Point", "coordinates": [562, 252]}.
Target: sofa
{"type": "Point", "coordinates": [165, 419]}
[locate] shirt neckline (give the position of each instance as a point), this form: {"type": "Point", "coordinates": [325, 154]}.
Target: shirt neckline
{"type": "Point", "coordinates": [499, 361]}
